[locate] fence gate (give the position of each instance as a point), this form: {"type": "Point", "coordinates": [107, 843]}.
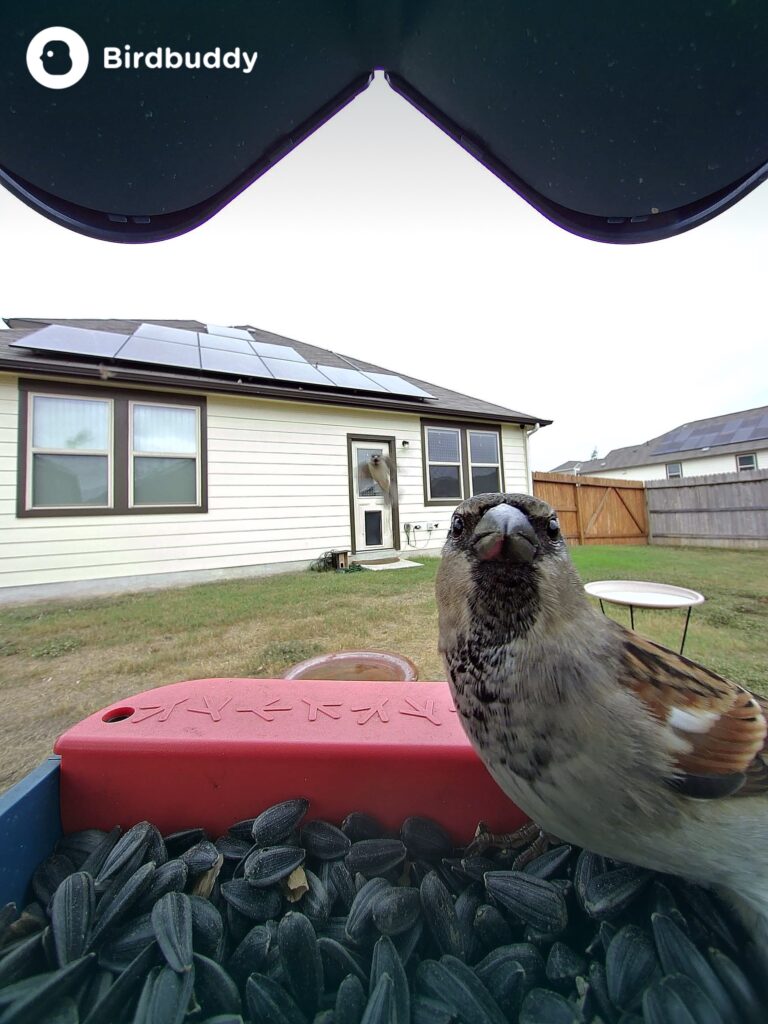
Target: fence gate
{"type": "Point", "coordinates": [593, 510]}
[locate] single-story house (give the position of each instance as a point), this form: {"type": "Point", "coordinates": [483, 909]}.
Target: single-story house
{"type": "Point", "coordinates": [154, 452]}
{"type": "Point", "coordinates": [735, 442]}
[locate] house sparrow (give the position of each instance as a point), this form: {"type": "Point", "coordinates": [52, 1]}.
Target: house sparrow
{"type": "Point", "coordinates": [378, 468]}
{"type": "Point", "coordinates": [603, 738]}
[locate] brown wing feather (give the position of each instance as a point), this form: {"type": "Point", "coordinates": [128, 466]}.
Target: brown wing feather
{"type": "Point", "coordinates": [726, 737]}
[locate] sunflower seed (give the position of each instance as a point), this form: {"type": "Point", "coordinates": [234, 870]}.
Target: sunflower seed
{"type": "Point", "coordinates": [338, 961]}
{"type": "Point", "coordinates": [430, 1011]}
{"type": "Point", "coordinates": [126, 944]}
{"type": "Point", "coordinates": [322, 840]}
{"type": "Point", "coordinates": [32, 1006]}
{"type": "Point", "coordinates": [424, 839]}
{"type": "Point", "coordinates": [117, 904]}
{"type": "Point", "coordinates": [630, 967]}
{"type": "Point", "coordinates": [316, 903]}
{"type": "Point", "coordinates": [167, 997]}
{"type": "Point", "coordinates": [72, 912]}
{"type": "Point", "coordinates": [609, 894]}
{"type": "Point", "coordinates": [179, 842]}
{"type": "Point", "coordinates": [380, 1006]}
{"type": "Point", "coordinates": [358, 826]}
{"type": "Point", "coordinates": [563, 966]}
{"type": "Point", "coordinates": [743, 995]}
{"type": "Point", "coordinates": [126, 855]}
{"type": "Point", "coordinates": [49, 876]}
{"type": "Point", "coordinates": [79, 846]}
{"type": "Point", "coordinates": [343, 883]}
{"type": "Point", "coordinates": [491, 927]}
{"type": "Point", "coordinates": [541, 1006]}
{"type": "Point", "coordinates": [254, 904]}
{"type": "Point", "coordinates": [588, 866]}
{"type": "Point", "coordinates": [172, 924]}
{"type": "Point", "coordinates": [386, 961]}
{"type": "Point", "coordinates": [350, 1001]}
{"type": "Point", "coordinates": [276, 823]}
{"type": "Point", "coordinates": [216, 992]}
{"type": "Point", "coordinates": [678, 955]}
{"type": "Point", "coordinates": [440, 915]}
{"type": "Point", "coordinates": [252, 954]}
{"type": "Point", "coordinates": [534, 900]}
{"type": "Point", "coordinates": [663, 1005]}
{"type": "Point", "coordinates": [207, 928]}
{"type": "Point", "coordinates": [550, 863]}
{"type": "Point", "coordinates": [110, 1006]}
{"type": "Point", "coordinates": [269, 1003]}
{"type": "Point", "coordinates": [301, 960]}
{"type": "Point", "coordinates": [396, 910]}
{"type": "Point", "coordinates": [360, 918]}
{"type": "Point", "coordinates": [455, 985]}
{"type": "Point", "coordinates": [522, 953]}
{"type": "Point", "coordinates": [373, 857]}
{"type": "Point", "coordinates": [269, 866]}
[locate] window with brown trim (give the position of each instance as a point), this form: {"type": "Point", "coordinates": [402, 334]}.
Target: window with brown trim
{"type": "Point", "coordinates": [90, 451]}
{"type": "Point", "coordinates": [460, 460]}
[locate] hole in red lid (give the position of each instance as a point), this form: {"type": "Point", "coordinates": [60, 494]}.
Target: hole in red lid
{"type": "Point", "coordinates": [117, 714]}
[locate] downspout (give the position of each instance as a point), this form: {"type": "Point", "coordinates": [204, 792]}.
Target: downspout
{"type": "Point", "coordinates": [528, 474]}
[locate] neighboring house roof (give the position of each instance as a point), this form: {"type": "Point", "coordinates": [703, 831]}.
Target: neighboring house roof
{"type": "Point", "coordinates": [731, 434]}
{"type": "Point", "coordinates": [444, 403]}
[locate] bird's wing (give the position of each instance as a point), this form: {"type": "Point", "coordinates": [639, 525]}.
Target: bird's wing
{"type": "Point", "coordinates": [716, 729]}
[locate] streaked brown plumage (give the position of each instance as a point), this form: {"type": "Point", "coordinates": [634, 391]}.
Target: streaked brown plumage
{"type": "Point", "coordinates": [604, 738]}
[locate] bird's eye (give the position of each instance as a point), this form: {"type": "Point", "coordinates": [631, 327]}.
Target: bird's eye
{"type": "Point", "coordinates": [457, 526]}
{"type": "Point", "coordinates": [553, 527]}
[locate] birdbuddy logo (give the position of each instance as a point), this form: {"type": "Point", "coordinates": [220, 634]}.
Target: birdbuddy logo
{"type": "Point", "coordinates": [58, 58]}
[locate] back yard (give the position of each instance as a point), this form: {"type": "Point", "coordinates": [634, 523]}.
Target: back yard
{"type": "Point", "coordinates": [61, 661]}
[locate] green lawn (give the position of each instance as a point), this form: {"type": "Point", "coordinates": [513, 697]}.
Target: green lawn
{"type": "Point", "coordinates": [62, 660]}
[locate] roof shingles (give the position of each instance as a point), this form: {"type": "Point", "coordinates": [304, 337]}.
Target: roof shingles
{"type": "Point", "coordinates": [445, 403]}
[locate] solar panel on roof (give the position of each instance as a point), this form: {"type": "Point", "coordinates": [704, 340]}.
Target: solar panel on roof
{"type": "Point", "coordinates": [235, 363]}
{"type": "Point", "coordinates": [265, 348]}
{"type": "Point", "coordinates": [225, 343]}
{"type": "Point", "coordinates": [397, 385]}
{"type": "Point", "coordinates": [229, 332]}
{"type": "Point", "coordinates": [160, 353]}
{"type": "Point", "coordinates": [216, 353]}
{"type": "Point", "coordinates": [345, 378]}
{"type": "Point", "coordinates": [753, 426]}
{"type": "Point", "coordinates": [73, 341]}
{"type": "Point", "coordinates": [283, 369]}
{"type": "Point", "coordinates": [160, 333]}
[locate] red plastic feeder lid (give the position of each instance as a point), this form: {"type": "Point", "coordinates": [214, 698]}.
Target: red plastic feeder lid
{"type": "Point", "coordinates": [214, 751]}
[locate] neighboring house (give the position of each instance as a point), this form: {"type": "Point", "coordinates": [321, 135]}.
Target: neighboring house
{"type": "Point", "coordinates": [732, 443]}
{"type": "Point", "coordinates": [121, 458]}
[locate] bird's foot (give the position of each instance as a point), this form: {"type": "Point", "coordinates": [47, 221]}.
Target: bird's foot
{"type": "Point", "coordinates": [531, 836]}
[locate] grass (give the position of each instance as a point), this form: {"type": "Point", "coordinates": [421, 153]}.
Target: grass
{"type": "Point", "coordinates": [60, 661]}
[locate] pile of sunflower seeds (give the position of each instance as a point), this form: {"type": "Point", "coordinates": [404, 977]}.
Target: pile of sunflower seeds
{"type": "Point", "coordinates": [288, 921]}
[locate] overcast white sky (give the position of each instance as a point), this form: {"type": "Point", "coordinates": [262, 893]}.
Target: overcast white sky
{"type": "Point", "coordinates": [380, 238]}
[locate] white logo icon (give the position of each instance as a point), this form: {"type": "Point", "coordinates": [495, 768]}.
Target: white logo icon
{"type": "Point", "coordinates": [57, 58]}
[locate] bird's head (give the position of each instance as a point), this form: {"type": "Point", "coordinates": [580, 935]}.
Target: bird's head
{"type": "Point", "coordinates": [504, 565]}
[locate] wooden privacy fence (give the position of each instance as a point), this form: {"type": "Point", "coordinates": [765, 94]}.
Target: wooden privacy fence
{"type": "Point", "coordinates": [722, 510]}
{"type": "Point", "coordinates": [592, 510]}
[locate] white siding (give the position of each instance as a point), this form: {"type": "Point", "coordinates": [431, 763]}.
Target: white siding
{"type": "Point", "coordinates": [702, 466]}
{"type": "Point", "coordinates": [278, 492]}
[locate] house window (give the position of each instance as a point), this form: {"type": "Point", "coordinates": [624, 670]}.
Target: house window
{"type": "Point", "coordinates": [460, 461]}
{"type": "Point", "coordinates": [674, 470]}
{"type": "Point", "coordinates": [744, 462]}
{"type": "Point", "coordinates": [444, 464]}
{"type": "Point", "coordinates": [484, 465]}
{"type": "Point", "coordinates": [70, 452]}
{"type": "Point", "coordinates": [164, 455]}
{"type": "Point", "coordinates": [108, 452]}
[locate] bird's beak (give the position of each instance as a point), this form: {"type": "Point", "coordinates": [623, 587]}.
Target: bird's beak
{"type": "Point", "coordinates": [505, 534]}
